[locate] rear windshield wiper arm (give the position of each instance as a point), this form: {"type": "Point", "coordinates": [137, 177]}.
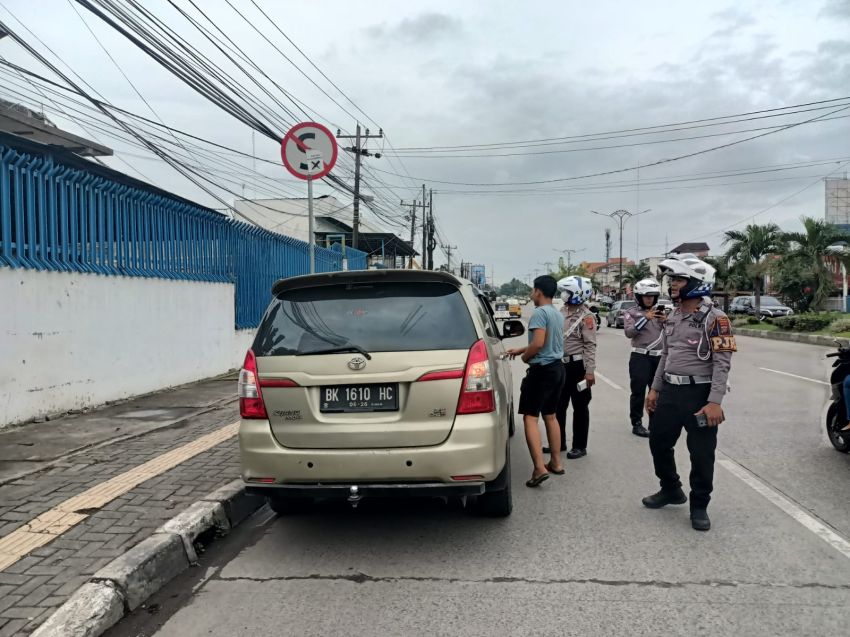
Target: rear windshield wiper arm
{"type": "Point", "coordinates": [337, 350]}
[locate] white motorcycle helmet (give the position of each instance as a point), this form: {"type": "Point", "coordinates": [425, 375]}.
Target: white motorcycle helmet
{"type": "Point", "coordinates": [700, 275]}
{"type": "Point", "coordinates": [575, 290]}
{"type": "Point", "coordinates": [647, 288]}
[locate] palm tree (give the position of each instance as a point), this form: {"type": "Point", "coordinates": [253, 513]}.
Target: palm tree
{"type": "Point", "coordinates": [634, 273]}
{"type": "Point", "coordinates": [750, 249]}
{"type": "Point", "coordinates": [811, 247]}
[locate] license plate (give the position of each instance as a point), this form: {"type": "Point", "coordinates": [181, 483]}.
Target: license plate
{"type": "Point", "coordinates": [502, 315]}
{"type": "Point", "coordinates": [345, 399]}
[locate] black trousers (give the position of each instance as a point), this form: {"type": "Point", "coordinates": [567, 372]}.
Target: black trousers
{"type": "Point", "coordinates": [574, 373]}
{"type": "Point", "coordinates": [641, 372]}
{"type": "Point", "coordinates": [677, 405]}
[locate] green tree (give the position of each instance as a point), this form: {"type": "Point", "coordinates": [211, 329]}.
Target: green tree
{"type": "Point", "coordinates": [730, 277]}
{"type": "Point", "coordinates": [515, 287]}
{"type": "Point", "coordinates": [750, 248]}
{"type": "Point", "coordinates": [634, 273]}
{"type": "Point", "coordinates": [809, 251]}
{"type": "Point", "coordinates": [571, 270]}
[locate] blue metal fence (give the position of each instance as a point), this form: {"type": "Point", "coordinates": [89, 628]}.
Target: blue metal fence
{"type": "Point", "coordinates": [57, 214]}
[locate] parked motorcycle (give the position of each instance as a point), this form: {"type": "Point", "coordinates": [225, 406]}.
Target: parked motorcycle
{"type": "Point", "coordinates": [836, 415]}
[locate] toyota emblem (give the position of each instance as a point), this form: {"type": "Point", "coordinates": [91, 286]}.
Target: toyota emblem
{"type": "Point", "coordinates": [357, 363]}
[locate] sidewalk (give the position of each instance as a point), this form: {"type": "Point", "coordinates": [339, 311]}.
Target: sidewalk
{"type": "Point", "coordinates": [77, 492]}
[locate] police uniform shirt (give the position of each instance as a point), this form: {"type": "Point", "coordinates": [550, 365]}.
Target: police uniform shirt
{"type": "Point", "coordinates": [582, 337]}
{"type": "Point", "coordinates": [645, 333]}
{"type": "Point", "coordinates": [698, 344]}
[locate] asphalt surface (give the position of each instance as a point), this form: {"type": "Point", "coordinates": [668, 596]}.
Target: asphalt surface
{"type": "Point", "coordinates": [580, 555]}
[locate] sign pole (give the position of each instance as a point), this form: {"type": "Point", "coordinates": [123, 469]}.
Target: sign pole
{"type": "Point", "coordinates": [310, 223]}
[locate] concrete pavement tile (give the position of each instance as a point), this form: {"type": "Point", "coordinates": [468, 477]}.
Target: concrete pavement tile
{"type": "Point", "coordinates": [12, 628]}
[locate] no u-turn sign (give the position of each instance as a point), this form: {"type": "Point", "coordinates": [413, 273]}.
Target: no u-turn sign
{"type": "Point", "coordinates": [309, 150]}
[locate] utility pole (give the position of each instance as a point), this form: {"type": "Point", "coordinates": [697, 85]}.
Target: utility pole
{"type": "Point", "coordinates": [548, 265]}
{"type": "Point", "coordinates": [424, 232]}
{"type": "Point", "coordinates": [359, 151]}
{"type": "Point", "coordinates": [412, 217]}
{"type": "Point", "coordinates": [620, 217]}
{"type": "Point", "coordinates": [448, 250]}
{"type": "Point", "coordinates": [569, 254]}
{"type": "Point", "coordinates": [432, 243]}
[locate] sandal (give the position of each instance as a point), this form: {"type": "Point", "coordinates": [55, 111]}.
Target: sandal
{"type": "Point", "coordinates": [536, 482]}
{"type": "Point", "coordinates": [557, 473]}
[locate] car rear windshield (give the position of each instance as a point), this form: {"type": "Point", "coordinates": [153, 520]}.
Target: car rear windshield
{"type": "Point", "coordinates": [377, 317]}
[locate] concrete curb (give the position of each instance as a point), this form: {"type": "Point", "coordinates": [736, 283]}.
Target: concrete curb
{"type": "Point", "coordinates": [125, 583]}
{"type": "Point", "coordinates": [794, 337]}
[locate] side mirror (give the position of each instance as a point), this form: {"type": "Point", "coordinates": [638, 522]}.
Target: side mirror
{"type": "Point", "coordinates": [512, 329]}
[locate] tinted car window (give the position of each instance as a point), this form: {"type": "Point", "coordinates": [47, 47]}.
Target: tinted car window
{"type": "Point", "coordinates": [379, 317]}
{"type": "Point", "coordinates": [769, 300]}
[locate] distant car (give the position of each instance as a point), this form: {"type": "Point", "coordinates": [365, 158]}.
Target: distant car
{"type": "Point", "coordinates": [615, 317]}
{"type": "Point", "coordinates": [771, 307]}
{"type": "Point", "coordinates": [501, 311]}
{"type": "Point", "coordinates": [605, 301]}
{"type": "Point", "coordinates": [514, 308]}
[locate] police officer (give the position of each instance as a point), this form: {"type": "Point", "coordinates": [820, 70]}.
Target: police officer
{"type": "Point", "coordinates": [642, 325]}
{"type": "Point", "coordinates": [579, 362]}
{"type": "Point", "coordinates": [689, 386]}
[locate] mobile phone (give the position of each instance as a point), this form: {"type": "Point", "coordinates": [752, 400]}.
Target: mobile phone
{"type": "Point", "coordinates": [582, 385]}
{"type": "Point", "coordinates": [702, 420]}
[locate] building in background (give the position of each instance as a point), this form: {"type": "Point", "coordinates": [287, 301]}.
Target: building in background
{"type": "Point", "coordinates": [837, 201]}
{"type": "Point", "coordinates": [698, 249]}
{"type": "Point", "coordinates": [333, 224]}
{"type": "Point", "coordinates": [606, 274]}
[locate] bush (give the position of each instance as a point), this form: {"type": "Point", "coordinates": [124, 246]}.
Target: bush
{"type": "Point", "coordinates": [804, 322]}
{"type": "Point", "coordinates": [752, 320]}
{"type": "Point", "coordinates": [739, 321]}
{"type": "Point", "coordinates": [840, 325]}
{"type": "Point", "coordinates": [768, 320]}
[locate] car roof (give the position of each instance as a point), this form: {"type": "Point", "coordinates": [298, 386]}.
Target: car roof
{"type": "Point", "coordinates": [367, 276]}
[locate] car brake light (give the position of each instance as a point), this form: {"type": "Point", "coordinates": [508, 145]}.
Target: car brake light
{"type": "Point", "coordinates": [251, 406]}
{"type": "Point", "coordinates": [446, 375]}
{"type": "Point", "coordinates": [476, 392]}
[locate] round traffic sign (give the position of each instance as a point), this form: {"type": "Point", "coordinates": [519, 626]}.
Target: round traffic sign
{"type": "Point", "coordinates": [309, 150]}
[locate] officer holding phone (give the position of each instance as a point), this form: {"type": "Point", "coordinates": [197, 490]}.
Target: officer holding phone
{"type": "Point", "coordinates": [689, 386]}
{"type": "Point", "coordinates": [642, 325]}
{"type": "Point", "coordinates": [579, 362]}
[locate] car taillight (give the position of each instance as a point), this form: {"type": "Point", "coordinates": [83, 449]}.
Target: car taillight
{"type": "Point", "coordinates": [476, 392]}
{"type": "Point", "coordinates": [251, 406]}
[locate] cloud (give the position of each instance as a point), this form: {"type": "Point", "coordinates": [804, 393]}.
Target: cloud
{"type": "Point", "coordinates": [836, 9]}
{"type": "Point", "coordinates": [733, 21]}
{"type": "Point", "coordinates": [422, 29]}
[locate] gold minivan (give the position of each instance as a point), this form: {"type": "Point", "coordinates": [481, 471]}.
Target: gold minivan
{"type": "Point", "coordinates": [378, 383]}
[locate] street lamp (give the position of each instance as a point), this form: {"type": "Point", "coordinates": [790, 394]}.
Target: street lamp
{"type": "Point", "coordinates": [620, 216]}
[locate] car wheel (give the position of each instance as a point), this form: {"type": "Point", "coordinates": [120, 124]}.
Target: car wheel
{"type": "Point", "coordinates": [498, 503]}
{"type": "Point", "coordinates": [283, 505]}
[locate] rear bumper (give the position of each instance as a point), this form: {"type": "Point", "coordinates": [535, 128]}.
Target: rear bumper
{"type": "Point", "coordinates": [475, 447]}
{"type": "Point", "coordinates": [434, 489]}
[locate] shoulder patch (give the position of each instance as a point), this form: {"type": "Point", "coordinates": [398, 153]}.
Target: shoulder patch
{"type": "Point", "coordinates": [589, 322]}
{"type": "Point", "coordinates": [722, 326]}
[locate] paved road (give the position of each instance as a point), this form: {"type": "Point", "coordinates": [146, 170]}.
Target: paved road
{"type": "Point", "coordinates": [578, 556]}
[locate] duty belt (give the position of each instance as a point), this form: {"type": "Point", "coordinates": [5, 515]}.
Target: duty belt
{"type": "Point", "coordinates": [648, 352]}
{"type": "Point", "coordinates": [572, 359]}
{"type": "Point", "coordinates": [673, 379]}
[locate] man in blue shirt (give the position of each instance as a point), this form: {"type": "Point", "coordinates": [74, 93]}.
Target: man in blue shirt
{"type": "Point", "coordinates": [541, 387]}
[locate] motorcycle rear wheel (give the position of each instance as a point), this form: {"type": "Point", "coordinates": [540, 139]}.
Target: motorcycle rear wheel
{"type": "Point", "coordinates": [839, 439]}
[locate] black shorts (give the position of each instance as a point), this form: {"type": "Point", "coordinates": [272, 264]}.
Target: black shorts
{"type": "Point", "coordinates": [541, 389]}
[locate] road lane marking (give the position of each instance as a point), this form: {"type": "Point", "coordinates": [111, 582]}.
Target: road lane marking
{"type": "Point", "coordinates": [608, 381]}
{"type": "Point", "coordinates": [810, 522]}
{"type": "Point", "coordinates": [811, 380]}
{"type": "Point", "coordinates": [53, 523]}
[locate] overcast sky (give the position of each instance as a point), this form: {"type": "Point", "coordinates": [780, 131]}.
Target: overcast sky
{"type": "Point", "coordinates": [447, 73]}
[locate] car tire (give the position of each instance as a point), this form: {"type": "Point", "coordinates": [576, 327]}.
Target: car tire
{"type": "Point", "coordinates": [497, 503]}
{"type": "Point", "coordinates": [283, 505]}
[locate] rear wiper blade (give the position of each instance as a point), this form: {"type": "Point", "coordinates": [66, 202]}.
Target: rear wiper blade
{"type": "Point", "coordinates": [337, 350]}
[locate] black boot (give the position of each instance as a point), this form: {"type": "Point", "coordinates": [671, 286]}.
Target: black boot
{"type": "Point", "coordinates": [574, 453]}
{"type": "Point", "coordinates": [663, 498]}
{"type": "Point", "coordinates": [640, 430]}
{"type": "Point", "coordinates": [699, 520]}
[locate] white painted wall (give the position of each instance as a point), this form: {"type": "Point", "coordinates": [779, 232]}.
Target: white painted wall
{"type": "Point", "coordinates": [70, 340]}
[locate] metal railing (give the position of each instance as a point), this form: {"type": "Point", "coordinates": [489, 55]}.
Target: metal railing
{"type": "Point", "coordinates": [58, 215]}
